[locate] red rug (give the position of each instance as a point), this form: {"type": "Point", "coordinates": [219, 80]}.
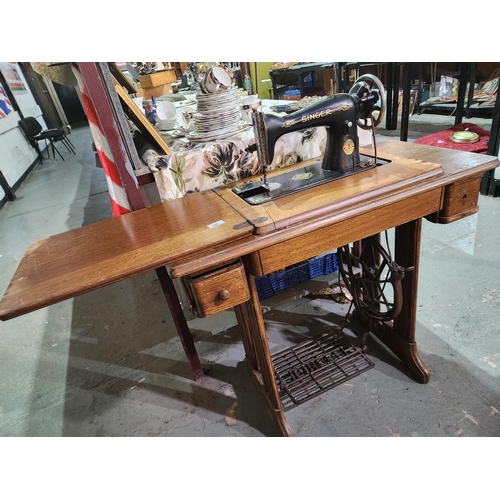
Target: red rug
{"type": "Point", "coordinates": [442, 139]}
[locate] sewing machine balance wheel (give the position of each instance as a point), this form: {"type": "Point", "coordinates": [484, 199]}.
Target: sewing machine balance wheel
{"type": "Point", "coordinates": [374, 87]}
{"type": "Point", "coordinates": [373, 279]}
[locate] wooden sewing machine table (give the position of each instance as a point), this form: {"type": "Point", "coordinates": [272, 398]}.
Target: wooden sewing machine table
{"type": "Point", "coordinates": [219, 243]}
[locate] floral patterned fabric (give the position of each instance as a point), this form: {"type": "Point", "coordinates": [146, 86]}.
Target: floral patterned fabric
{"type": "Point", "coordinates": [195, 167]}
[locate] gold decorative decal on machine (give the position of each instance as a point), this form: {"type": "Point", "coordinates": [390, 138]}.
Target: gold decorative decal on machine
{"type": "Point", "coordinates": [349, 147]}
{"type": "Point", "coordinates": [318, 114]}
{"type": "Point", "coordinates": [302, 177]}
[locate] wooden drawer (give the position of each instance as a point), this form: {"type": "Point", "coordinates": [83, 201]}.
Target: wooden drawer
{"type": "Point", "coordinates": [459, 200]}
{"type": "Point", "coordinates": [219, 290]}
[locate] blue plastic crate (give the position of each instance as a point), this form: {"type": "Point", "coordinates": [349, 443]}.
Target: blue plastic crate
{"type": "Point", "coordinates": [316, 267]}
{"type": "Point", "coordinates": [331, 264]}
{"type": "Point", "coordinates": [285, 279]}
{"type": "Point", "coordinates": [264, 287]}
{"type": "Point", "coordinates": [304, 273]}
{"type": "Point", "coordinates": [268, 285]}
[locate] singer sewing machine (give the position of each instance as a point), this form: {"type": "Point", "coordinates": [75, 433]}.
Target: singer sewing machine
{"type": "Point", "coordinates": [219, 241]}
{"type": "Point", "coordinates": [341, 114]}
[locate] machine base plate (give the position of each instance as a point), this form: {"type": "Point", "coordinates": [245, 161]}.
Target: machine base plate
{"type": "Point", "coordinates": [256, 193]}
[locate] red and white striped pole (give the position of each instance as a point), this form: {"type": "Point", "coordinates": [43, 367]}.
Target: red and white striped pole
{"type": "Point", "coordinates": [119, 200]}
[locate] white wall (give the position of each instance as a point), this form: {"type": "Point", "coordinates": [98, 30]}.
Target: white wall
{"type": "Point", "coordinates": [16, 154]}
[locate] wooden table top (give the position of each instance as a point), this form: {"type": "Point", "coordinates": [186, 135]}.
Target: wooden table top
{"type": "Point", "coordinates": [200, 225]}
{"type": "Point", "coordinates": [334, 196]}
{"type": "Point", "coordinates": [77, 261]}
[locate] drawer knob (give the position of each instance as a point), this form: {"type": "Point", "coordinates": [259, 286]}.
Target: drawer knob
{"type": "Point", "coordinates": [224, 295]}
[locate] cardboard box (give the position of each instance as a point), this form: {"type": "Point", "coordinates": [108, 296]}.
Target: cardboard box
{"type": "Point", "coordinates": [147, 93]}
{"type": "Point", "coordinates": [159, 78]}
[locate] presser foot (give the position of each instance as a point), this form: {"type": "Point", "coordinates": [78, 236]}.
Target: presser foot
{"type": "Point", "coordinates": [271, 186]}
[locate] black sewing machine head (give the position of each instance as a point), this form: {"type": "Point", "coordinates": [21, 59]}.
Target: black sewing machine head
{"type": "Point", "coordinates": [341, 114]}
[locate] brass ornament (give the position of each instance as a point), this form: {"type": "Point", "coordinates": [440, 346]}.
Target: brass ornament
{"type": "Point", "coordinates": [348, 147]}
{"type": "Point", "coordinates": [464, 137]}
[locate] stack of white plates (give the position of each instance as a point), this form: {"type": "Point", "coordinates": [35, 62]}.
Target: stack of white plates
{"type": "Point", "coordinates": [217, 115]}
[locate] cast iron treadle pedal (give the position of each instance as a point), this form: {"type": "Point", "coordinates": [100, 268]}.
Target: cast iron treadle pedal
{"type": "Point", "coordinates": [315, 366]}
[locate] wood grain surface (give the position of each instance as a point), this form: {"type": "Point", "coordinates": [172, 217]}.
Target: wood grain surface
{"type": "Point", "coordinates": [71, 263]}
{"type": "Point", "coordinates": [355, 190]}
{"type": "Point", "coordinates": [207, 229]}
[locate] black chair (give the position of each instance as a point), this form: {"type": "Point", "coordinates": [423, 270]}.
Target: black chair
{"type": "Point", "coordinates": [65, 140]}
{"type": "Point", "coordinates": [35, 133]}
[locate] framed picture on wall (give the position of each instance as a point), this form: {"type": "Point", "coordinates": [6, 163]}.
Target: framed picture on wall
{"type": "Point", "coordinates": [12, 75]}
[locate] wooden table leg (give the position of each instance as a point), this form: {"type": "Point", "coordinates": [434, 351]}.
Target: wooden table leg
{"type": "Point", "coordinates": [180, 323]}
{"type": "Point", "coordinates": [246, 321]}
{"type": "Point", "coordinates": [258, 357]}
{"type": "Point", "coordinates": [399, 335]}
